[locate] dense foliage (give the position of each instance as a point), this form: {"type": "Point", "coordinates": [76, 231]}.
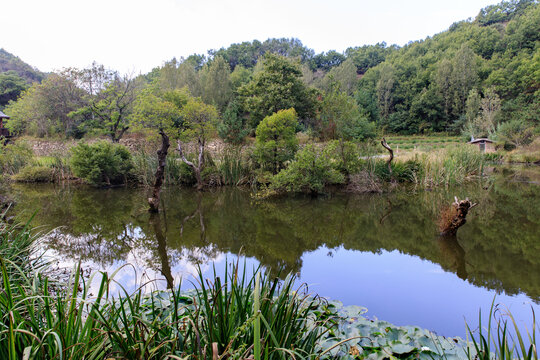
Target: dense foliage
{"type": "Point", "coordinates": [472, 78]}
{"type": "Point", "coordinates": [101, 163]}
{"type": "Point", "coordinates": [275, 139]}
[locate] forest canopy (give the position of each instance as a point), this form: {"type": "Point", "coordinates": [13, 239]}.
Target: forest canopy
{"type": "Point", "coordinates": [481, 77]}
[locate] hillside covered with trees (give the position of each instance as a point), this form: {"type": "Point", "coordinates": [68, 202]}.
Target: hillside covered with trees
{"type": "Point", "coordinates": [481, 77]}
{"type": "Point", "coordinates": [15, 76]}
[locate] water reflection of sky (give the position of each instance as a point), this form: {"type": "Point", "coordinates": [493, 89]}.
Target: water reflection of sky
{"type": "Point", "coordinates": [395, 287]}
{"type": "Point", "coordinates": [405, 290]}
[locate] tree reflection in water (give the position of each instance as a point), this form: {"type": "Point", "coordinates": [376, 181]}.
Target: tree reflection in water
{"type": "Point", "coordinates": [498, 247]}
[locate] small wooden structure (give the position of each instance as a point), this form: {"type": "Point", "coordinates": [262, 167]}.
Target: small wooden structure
{"type": "Point", "coordinates": [3, 131]}
{"type": "Point", "coordinates": [484, 144]}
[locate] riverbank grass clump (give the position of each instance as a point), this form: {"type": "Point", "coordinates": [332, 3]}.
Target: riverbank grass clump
{"type": "Point", "coordinates": [33, 173]}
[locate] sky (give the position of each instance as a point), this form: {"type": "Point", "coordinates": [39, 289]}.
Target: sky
{"type": "Point", "coordinates": [134, 36]}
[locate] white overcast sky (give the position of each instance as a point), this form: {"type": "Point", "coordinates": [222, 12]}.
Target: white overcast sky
{"type": "Point", "coordinates": [137, 35]}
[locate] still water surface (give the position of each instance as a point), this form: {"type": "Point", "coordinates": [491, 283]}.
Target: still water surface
{"type": "Point", "coordinates": [378, 251]}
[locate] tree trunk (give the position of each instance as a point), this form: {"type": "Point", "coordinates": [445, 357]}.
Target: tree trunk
{"type": "Point", "coordinates": [389, 162]}
{"type": "Point", "coordinates": [197, 169]}
{"type": "Point", "coordinates": [155, 220]}
{"type": "Point", "coordinates": [153, 201]}
{"type": "Point", "coordinates": [455, 217]}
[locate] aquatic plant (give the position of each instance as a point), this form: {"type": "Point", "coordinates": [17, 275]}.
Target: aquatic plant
{"type": "Point", "coordinates": [504, 341]}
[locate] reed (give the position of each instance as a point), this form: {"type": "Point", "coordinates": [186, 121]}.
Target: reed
{"type": "Point", "coordinates": [451, 166]}
{"type": "Point", "coordinates": [240, 313]}
{"type": "Point", "coordinates": [505, 341]}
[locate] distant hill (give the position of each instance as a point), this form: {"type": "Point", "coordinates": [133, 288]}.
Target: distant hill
{"type": "Point", "coordinates": [9, 62]}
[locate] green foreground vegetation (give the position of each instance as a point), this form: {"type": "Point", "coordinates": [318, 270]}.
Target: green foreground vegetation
{"type": "Point", "coordinates": [237, 316]}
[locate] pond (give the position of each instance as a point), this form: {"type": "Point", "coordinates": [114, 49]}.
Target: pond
{"type": "Point", "coordinates": [378, 251]}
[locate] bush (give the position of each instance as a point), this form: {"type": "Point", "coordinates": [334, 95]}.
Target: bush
{"type": "Point", "coordinates": [33, 173]}
{"type": "Point", "coordinates": [310, 171]}
{"type": "Point", "coordinates": [102, 163]}
{"type": "Point", "coordinates": [14, 156]}
{"type": "Point", "coordinates": [276, 141]}
{"type": "Point", "coordinates": [345, 155]}
{"type": "Point", "coordinates": [514, 133]}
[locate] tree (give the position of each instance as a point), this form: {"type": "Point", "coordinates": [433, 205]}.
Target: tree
{"type": "Point", "coordinates": [277, 87]}
{"type": "Point", "coordinates": [177, 74]}
{"type": "Point", "coordinates": [216, 84]}
{"type": "Point", "coordinates": [443, 82]}
{"type": "Point", "coordinates": [110, 97]}
{"type": "Point", "coordinates": [491, 106]}
{"type": "Point", "coordinates": [341, 118]}
{"type": "Point", "coordinates": [275, 140]}
{"type": "Point", "coordinates": [464, 77]}
{"type": "Point", "coordinates": [486, 109]}
{"type": "Point", "coordinates": [49, 108]}
{"type": "Point", "coordinates": [472, 105]}
{"type": "Point", "coordinates": [199, 123]}
{"type": "Point", "coordinates": [160, 112]}
{"type": "Point", "coordinates": [344, 74]}
{"type": "Point", "coordinates": [385, 87]}
{"type": "Point", "coordinates": [232, 128]}
{"type": "Point", "coordinates": [11, 86]}
{"type": "Point", "coordinates": [240, 76]}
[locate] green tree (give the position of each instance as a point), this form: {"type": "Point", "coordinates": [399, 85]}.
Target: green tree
{"type": "Point", "coordinates": [464, 77]}
{"type": "Point", "coordinates": [240, 76]}
{"type": "Point", "coordinates": [49, 108]}
{"type": "Point", "coordinates": [275, 140]}
{"type": "Point", "coordinates": [199, 120]}
{"type": "Point", "coordinates": [385, 88]}
{"type": "Point", "coordinates": [177, 74]}
{"type": "Point", "coordinates": [160, 112]}
{"type": "Point", "coordinates": [277, 87]}
{"type": "Point", "coordinates": [216, 84]}
{"type": "Point", "coordinates": [443, 82]}
{"type": "Point", "coordinates": [491, 106]}
{"type": "Point", "coordinates": [232, 128]}
{"type": "Point", "coordinates": [341, 117]}
{"type": "Point", "coordinates": [345, 75]}
{"type": "Point", "coordinates": [110, 98]}
{"type": "Point", "coordinates": [11, 86]}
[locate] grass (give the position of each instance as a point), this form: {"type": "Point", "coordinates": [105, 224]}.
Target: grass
{"type": "Point", "coordinates": [527, 154]}
{"type": "Point", "coordinates": [236, 316]}
{"type": "Point", "coordinates": [505, 341]}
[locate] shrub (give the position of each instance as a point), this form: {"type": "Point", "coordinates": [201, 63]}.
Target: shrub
{"type": "Point", "coordinates": [33, 173]}
{"type": "Point", "coordinates": [345, 156]}
{"type": "Point", "coordinates": [310, 171]}
{"type": "Point", "coordinates": [102, 163]}
{"type": "Point", "coordinates": [276, 141]}
{"type": "Point", "coordinates": [14, 156]}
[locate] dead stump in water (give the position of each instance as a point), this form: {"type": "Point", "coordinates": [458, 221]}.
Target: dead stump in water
{"type": "Point", "coordinates": [455, 216]}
